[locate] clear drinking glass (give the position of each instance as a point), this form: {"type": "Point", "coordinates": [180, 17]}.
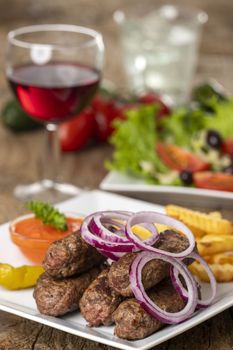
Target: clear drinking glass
{"type": "Point", "coordinates": [54, 71]}
{"type": "Point", "coordinates": [160, 50]}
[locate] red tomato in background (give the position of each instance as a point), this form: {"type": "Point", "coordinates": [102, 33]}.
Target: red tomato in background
{"type": "Point", "coordinates": [97, 120]}
{"type": "Point", "coordinates": [153, 98]}
{"type": "Point", "coordinates": [76, 132]}
{"type": "Point", "coordinates": [105, 110]}
{"type": "Point", "coordinates": [177, 158]}
{"type": "Point", "coordinates": [228, 146]}
{"type": "Point", "coordinates": [214, 181]}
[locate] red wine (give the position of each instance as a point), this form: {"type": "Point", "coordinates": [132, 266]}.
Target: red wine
{"type": "Point", "coordinates": [56, 91]}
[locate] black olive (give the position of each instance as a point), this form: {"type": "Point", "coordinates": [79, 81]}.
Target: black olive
{"type": "Point", "coordinates": [186, 177]}
{"type": "Point", "coordinates": [214, 139]}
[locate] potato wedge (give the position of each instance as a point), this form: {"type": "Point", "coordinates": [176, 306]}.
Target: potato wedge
{"type": "Point", "coordinates": [213, 244]}
{"type": "Point", "coordinates": [222, 272]}
{"type": "Point", "coordinates": [221, 258]}
{"type": "Point", "coordinates": [196, 231]}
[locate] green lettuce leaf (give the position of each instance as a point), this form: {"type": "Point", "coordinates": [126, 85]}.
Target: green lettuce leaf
{"type": "Point", "coordinates": [222, 119]}
{"type": "Point", "coordinates": [181, 125]}
{"type": "Point", "coordinates": [134, 139]}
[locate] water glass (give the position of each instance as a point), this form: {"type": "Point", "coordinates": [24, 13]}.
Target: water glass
{"type": "Point", "coordinates": [160, 50]}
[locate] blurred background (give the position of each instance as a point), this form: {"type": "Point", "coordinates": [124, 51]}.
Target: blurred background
{"type": "Point", "coordinates": [216, 50]}
{"type": "Point", "coordinates": [17, 162]}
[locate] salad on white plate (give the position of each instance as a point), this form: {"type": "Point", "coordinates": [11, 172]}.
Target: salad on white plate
{"type": "Point", "coordinates": [190, 146]}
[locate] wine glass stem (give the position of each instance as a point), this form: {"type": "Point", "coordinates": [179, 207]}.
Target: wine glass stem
{"type": "Point", "coordinates": [52, 154]}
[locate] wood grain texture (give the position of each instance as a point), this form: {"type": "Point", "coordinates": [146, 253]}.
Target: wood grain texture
{"type": "Point", "coordinates": [19, 153]}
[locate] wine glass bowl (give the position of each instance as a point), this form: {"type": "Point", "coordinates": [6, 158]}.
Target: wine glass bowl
{"type": "Point", "coordinates": [54, 71]}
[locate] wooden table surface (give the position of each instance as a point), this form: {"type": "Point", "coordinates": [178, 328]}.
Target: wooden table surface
{"type": "Point", "coordinates": [19, 153]}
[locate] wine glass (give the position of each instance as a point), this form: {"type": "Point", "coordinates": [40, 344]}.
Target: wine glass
{"type": "Point", "coordinates": [54, 71]}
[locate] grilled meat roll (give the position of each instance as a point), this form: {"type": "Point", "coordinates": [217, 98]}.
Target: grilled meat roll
{"type": "Point", "coordinates": [133, 323]}
{"type": "Point", "coordinates": [56, 297]}
{"type": "Point", "coordinates": [71, 255]}
{"type": "Point", "coordinates": [153, 272]}
{"type": "Point", "coordinates": [99, 301]}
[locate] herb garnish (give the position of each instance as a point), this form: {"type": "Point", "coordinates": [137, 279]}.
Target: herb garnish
{"type": "Point", "coordinates": [48, 214]}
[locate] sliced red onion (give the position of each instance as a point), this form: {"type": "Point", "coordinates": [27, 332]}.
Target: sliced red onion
{"type": "Point", "coordinates": [111, 256]}
{"type": "Point", "coordinates": [183, 292]}
{"type": "Point", "coordinates": [95, 232]}
{"type": "Point", "coordinates": [93, 236]}
{"type": "Point", "coordinates": [147, 304]}
{"type": "Point", "coordinates": [111, 222]}
{"type": "Point", "coordinates": [97, 227]}
{"type": "Point", "coordinates": [153, 217]}
{"type": "Point", "coordinates": [101, 244]}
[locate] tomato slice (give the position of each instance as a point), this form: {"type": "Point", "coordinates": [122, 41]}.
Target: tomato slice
{"type": "Point", "coordinates": [228, 146]}
{"type": "Point", "coordinates": [177, 158]}
{"type": "Point", "coordinates": [214, 181]}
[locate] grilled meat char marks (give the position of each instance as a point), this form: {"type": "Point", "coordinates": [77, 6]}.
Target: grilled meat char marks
{"type": "Point", "coordinates": [153, 272]}
{"type": "Point", "coordinates": [133, 323]}
{"type": "Point", "coordinates": [56, 297]}
{"type": "Point", "coordinates": [99, 301]}
{"type": "Point", "coordinates": [71, 255]}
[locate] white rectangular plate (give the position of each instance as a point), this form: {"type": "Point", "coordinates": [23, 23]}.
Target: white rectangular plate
{"type": "Point", "coordinates": [136, 187]}
{"type": "Point", "coordinates": [21, 302]}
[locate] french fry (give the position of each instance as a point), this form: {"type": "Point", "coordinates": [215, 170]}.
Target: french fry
{"type": "Point", "coordinates": [197, 232]}
{"type": "Point", "coordinates": [221, 258]}
{"type": "Point", "coordinates": [222, 272]}
{"type": "Point", "coordinates": [209, 223]}
{"type": "Point", "coordinates": [213, 244]}
{"type": "Point", "coordinates": [216, 214]}
{"type": "Point", "coordinates": [214, 236]}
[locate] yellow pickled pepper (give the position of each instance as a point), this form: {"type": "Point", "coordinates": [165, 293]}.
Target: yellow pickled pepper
{"type": "Point", "coordinates": [19, 277]}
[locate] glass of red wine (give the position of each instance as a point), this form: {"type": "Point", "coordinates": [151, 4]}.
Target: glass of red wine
{"type": "Point", "coordinates": [54, 71]}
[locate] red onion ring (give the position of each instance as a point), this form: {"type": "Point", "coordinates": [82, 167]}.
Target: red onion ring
{"type": "Point", "coordinates": [154, 233]}
{"type": "Point", "coordinates": [153, 217]}
{"type": "Point", "coordinates": [183, 292]}
{"type": "Point", "coordinates": [112, 244]}
{"type": "Point", "coordinates": [93, 236]}
{"type": "Point", "coordinates": [147, 304]}
{"type": "Point", "coordinates": [111, 256]}
{"type": "Point", "coordinates": [100, 230]}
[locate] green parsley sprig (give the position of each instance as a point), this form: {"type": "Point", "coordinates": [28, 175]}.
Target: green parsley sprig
{"type": "Point", "coordinates": [48, 214]}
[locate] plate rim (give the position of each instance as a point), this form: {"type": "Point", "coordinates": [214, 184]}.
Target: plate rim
{"type": "Point", "coordinates": [106, 185]}
{"type": "Point", "coordinates": [60, 324]}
